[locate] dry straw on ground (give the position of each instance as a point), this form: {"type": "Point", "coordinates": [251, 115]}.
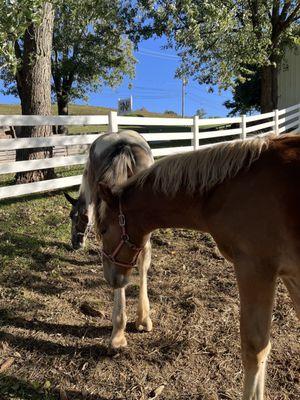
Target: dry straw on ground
{"type": "Point", "coordinates": [56, 321]}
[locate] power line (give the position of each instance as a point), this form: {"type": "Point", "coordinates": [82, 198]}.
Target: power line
{"type": "Point", "coordinates": [158, 53]}
{"type": "Point", "coordinates": [154, 97]}
{"type": "Point", "coordinates": [203, 103]}
{"type": "Point", "coordinates": [151, 89]}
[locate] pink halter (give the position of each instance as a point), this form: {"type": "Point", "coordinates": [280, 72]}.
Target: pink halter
{"type": "Point", "coordinates": [124, 241]}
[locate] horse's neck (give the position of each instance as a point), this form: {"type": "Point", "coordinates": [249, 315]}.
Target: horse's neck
{"type": "Point", "coordinates": [156, 210]}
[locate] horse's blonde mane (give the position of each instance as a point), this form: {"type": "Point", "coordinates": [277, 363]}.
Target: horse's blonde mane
{"type": "Point", "coordinates": [198, 171]}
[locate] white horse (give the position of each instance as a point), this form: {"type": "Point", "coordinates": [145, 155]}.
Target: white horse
{"type": "Point", "coordinates": [113, 158]}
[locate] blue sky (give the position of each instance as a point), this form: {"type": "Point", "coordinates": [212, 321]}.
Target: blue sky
{"type": "Point", "coordinates": [155, 88]}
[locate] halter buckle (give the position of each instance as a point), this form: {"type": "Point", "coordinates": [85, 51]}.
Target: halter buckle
{"type": "Point", "coordinates": [121, 219]}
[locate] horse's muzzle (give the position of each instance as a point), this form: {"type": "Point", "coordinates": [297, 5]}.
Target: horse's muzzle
{"type": "Point", "coordinates": [77, 242]}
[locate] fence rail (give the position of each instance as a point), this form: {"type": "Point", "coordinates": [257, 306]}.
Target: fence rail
{"type": "Point", "coordinates": [200, 131]}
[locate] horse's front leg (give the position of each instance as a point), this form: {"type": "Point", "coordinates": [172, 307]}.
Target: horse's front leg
{"type": "Point", "coordinates": [119, 320]}
{"type": "Point", "coordinates": [257, 287]}
{"type": "Point", "coordinates": [143, 322]}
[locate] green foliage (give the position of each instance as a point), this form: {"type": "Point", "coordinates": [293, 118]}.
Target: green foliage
{"type": "Point", "coordinates": [170, 112]}
{"type": "Point", "coordinates": [201, 113]}
{"type": "Point", "coordinates": [216, 39]}
{"type": "Point", "coordinates": [89, 47]}
{"type": "Point", "coordinates": [15, 16]}
{"type": "Point", "coordinates": [246, 95]}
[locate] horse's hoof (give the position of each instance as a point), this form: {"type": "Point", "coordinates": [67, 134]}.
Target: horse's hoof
{"type": "Point", "coordinates": [118, 342]}
{"type": "Point", "coordinates": [144, 325]}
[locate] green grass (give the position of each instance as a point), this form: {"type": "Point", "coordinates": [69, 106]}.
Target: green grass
{"type": "Point", "coordinates": [74, 109]}
{"type": "Point", "coordinates": [8, 109]}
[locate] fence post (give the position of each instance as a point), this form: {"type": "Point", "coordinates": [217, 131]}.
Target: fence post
{"type": "Point", "coordinates": [113, 122]}
{"type": "Point", "coordinates": [195, 141]}
{"type": "Point", "coordinates": [276, 122]}
{"type": "Point", "coordinates": [243, 126]}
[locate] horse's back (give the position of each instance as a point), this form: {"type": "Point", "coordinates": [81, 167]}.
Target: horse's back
{"type": "Point", "coordinates": [258, 211]}
{"type": "Point", "coordinates": [287, 150]}
{"type": "Point", "coordinates": [113, 157]}
{"type": "Point", "coordinates": [109, 140]}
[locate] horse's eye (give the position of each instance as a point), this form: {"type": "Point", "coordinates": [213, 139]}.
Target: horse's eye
{"type": "Point", "coordinates": [103, 231]}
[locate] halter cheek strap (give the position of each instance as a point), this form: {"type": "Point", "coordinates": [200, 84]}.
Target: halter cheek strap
{"type": "Point", "coordinates": [124, 241]}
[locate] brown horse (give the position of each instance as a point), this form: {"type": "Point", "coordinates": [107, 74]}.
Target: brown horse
{"type": "Point", "coordinates": [246, 194]}
{"type": "Point", "coordinates": [113, 158]}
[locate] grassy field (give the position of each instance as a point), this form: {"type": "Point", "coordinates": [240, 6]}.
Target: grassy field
{"type": "Point", "coordinates": [53, 348]}
{"type": "Point", "coordinates": [74, 109]}
{"type": "Point", "coordinates": [9, 109]}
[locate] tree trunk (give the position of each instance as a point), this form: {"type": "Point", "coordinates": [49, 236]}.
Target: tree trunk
{"type": "Point", "coordinates": [269, 88]}
{"type": "Point", "coordinates": [33, 80]}
{"type": "Point", "coordinates": [63, 109]}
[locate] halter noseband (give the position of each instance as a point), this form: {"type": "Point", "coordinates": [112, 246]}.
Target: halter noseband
{"type": "Point", "coordinates": [124, 241]}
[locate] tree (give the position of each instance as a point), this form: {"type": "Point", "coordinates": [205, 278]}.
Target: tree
{"type": "Point", "coordinates": [89, 49]}
{"type": "Point", "coordinates": [246, 95]}
{"type": "Point", "coordinates": [14, 17]}
{"type": "Point", "coordinates": [201, 113]}
{"type": "Point", "coordinates": [170, 112]}
{"type": "Point", "coordinates": [27, 53]}
{"type": "Point", "coordinates": [216, 39]}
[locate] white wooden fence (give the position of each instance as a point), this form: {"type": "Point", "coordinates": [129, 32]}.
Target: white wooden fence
{"type": "Point", "coordinates": [278, 121]}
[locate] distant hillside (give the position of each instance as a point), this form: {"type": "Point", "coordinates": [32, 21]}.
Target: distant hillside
{"type": "Point", "coordinates": [8, 109]}
{"type": "Point", "coordinates": [74, 109]}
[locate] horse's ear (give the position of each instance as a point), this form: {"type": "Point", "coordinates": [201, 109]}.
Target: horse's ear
{"type": "Point", "coordinates": [106, 194]}
{"type": "Point", "coordinates": [70, 199]}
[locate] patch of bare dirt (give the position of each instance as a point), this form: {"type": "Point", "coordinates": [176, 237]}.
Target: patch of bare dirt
{"type": "Point", "coordinates": [56, 323]}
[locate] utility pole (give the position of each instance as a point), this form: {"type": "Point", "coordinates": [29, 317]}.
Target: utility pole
{"type": "Point", "coordinates": [184, 83]}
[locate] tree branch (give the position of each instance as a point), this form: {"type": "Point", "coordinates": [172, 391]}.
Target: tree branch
{"type": "Point", "coordinates": [285, 10]}
{"type": "Point", "coordinates": [291, 17]}
{"type": "Point", "coordinates": [18, 51]}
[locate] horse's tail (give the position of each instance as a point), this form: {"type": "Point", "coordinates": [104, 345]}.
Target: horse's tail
{"type": "Point", "coordinates": [120, 163]}
{"type": "Point", "coordinates": [124, 164]}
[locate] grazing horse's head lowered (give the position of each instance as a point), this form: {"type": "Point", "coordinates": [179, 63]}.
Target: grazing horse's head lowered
{"type": "Point", "coordinates": [79, 218]}
{"type": "Point", "coordinates": [121, 245]}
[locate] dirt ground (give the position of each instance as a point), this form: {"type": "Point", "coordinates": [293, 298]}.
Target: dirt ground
{"type": "Point", "coordinates": [52, 347]}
